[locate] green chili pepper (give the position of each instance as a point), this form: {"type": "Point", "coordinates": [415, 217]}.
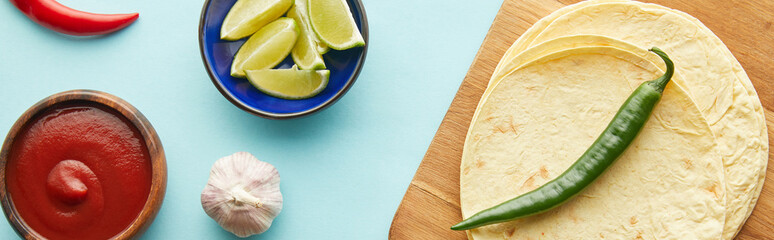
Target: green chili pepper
{"type": "Point", "coordinates": [620, 132]}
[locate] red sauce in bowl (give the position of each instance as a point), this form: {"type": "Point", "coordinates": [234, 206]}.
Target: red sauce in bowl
{"type": "Point", "coordinates": [78, 171]}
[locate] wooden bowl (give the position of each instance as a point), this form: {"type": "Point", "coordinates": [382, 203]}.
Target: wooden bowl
{"type": "Point", "coordinates": [155, 150]}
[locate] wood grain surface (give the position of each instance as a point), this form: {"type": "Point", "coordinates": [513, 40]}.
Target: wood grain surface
{"type": "Point", "coordinates": [431, 204]}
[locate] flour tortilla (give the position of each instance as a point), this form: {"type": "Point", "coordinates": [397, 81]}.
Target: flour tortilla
{"type": "Point", "coordinates": [541, 117]}
{"type": "Point", "coordinates": [526, 38]}
{"type": "Point", "coordinates": [567, 42]}
{"type": "Point", "coordinates": [747, 84]}
{"type": "Point", "coordinates": [712, 77]}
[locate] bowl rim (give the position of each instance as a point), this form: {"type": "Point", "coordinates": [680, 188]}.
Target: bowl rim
{"type": "Point", "coordinates": [270, 115]}
{"type": "Point", "coordinates": [155, 151]}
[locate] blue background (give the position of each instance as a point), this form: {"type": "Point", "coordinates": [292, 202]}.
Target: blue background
{"type": "Point", "coordinates": [344, 170]}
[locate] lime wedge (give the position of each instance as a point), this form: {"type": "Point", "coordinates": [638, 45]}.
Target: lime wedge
{"type": "Point", "coordinates": [266, 48]}
{"type": "Point", "coordinates": [322, 48]}
{"type": "Point", "coordinates": [303, 10]}
{"type": "Point", "coordinates": [305, 53]}
{"type": "Point", "coordinates": [289, 83]}
{"type": "Point", "coordinates": [247, 16]}
{"type": "Point", "coordinates": [334, 24]}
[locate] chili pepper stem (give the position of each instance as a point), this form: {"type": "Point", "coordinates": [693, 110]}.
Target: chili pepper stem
{"type": "Point", "coordinates": [661, 82]}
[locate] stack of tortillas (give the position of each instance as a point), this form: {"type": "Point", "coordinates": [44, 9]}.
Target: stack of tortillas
{"type": "Point", "coordinates": [696, 169]}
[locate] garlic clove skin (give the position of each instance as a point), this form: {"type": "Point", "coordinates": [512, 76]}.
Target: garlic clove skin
{"type": "Point", "coordinates": [242, 194]}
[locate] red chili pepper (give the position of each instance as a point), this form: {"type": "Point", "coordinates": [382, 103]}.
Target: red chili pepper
{"type": "Point", "coordinates": [60, 18]}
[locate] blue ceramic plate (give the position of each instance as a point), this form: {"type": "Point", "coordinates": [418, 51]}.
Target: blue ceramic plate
{"type": "Point", "coordinates": [217, 55]}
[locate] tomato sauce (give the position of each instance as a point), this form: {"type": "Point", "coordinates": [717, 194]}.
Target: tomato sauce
{"type": "Point", "coordinates": [79, 171]}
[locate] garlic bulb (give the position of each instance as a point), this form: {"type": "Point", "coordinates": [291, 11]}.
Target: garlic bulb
{"type": "Point", "coordinates": [242, 194]}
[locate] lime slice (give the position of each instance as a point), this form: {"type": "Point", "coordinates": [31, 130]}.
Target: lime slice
{"type": "Point", "coordinates": [266, 48]}
{"type": "Point", "coordinates": [334, 24]}
{"type": "Point", "coordinates": [247, 16]}
{"type": "Point", "coordinates": [289, 83]}
{"type": "Point", "coordinates": [305, 53]}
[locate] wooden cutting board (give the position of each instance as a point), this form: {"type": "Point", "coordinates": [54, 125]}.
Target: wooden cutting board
{"type": "Point", "coordinates": [431, 204]}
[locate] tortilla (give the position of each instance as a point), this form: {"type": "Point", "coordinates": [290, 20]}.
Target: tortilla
{"type": "Point", "coordinates": [747, 84]}
{"type": "Point", "coordinates": [711, 75]}
{"type": "Point", "coordinates": [526, 38]}
{"type": "Point", "coordinates": [562, 44]}
{"type": "Point", "coordinates": [541, 117]}
{"type": "Point", "coordinates": [567, 42]}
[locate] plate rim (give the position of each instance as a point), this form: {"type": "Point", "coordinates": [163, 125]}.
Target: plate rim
{"type": "Point", "coordinates": [358, 4]}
